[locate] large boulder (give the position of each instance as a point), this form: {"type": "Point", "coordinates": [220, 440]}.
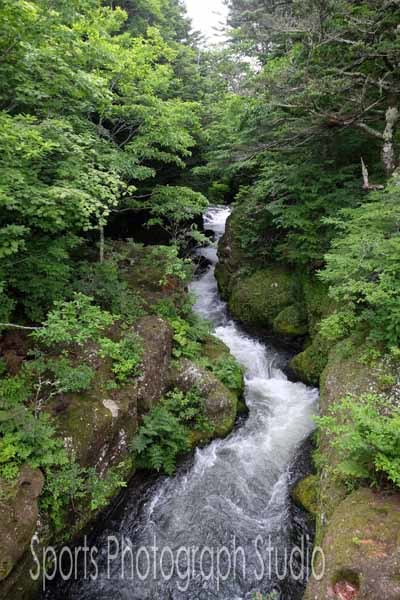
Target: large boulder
{"type": "Point", "coordinates": [361, 550]}
{"type": "Point", "coordinates": [309, 365]}
{"type": "Point", "coordinates": [220, 404]}
{"type": "Point", "coordinates": [217, 353]}
{"type": "Point", "coordinates": [230, 257]}
{"type": "Point", "coordinates": [359, 533]}
{"type": "Point", "coordinates": [18, 516]}
{"type": "Point", "coordinates": [291, 321]}
{"type": "Point", "coordinates": [98, 425]}
{"type": "Point", "coordinates": [305, 494]}
{"type": "Point", "coordinates": [154, 378]}
{"type": "Point", "coordinates": [258, 299]}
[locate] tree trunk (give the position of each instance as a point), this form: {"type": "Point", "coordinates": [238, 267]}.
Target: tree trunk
{"type": "Point", "coordinates": [388, 151]}
{"type": "Point", "coordinates": [101, 257]}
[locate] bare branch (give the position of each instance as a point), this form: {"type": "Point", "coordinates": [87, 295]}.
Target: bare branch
{"type": "Point", "coordinates": [13, 325]}
{"type": "Point", "coordinates": [367, 186]}
{"type": "Point", "coordinates": [370, 130]}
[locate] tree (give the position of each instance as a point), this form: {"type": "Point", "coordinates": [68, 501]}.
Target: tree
{"type": "Point", "coordinates": [327, 65]}
{"type": "Point", "coordinates": [88, 112]}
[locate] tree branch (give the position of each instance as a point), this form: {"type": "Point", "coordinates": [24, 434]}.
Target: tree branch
{"type": "Point", "coordinates": [13, 325]}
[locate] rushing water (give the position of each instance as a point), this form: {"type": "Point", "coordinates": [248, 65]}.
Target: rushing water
{"type": "Point", "coordinates": [231, 502]}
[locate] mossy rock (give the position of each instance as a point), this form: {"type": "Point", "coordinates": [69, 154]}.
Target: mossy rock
{"type": "Point", "coordinates": [309, 365]}
{"type": "Point", "coordinates": [291, 321]}
{"type": "Point", "coordinates": [259, 298]}
{"type": "Point", "coordinates": [217, 353]}
{"type": "Point", "coordinates": [230, 254]}
{"type": "Point", "coordinates": [144, 268]}
{"type": "Point", "coordinates": [346, 374]}
{"type": "Point", "coordinates": [305, 494]}
{"type": "Point", "coordinates": [214, 349]}
{"type": "Point", "coordinates": [18, 516]}
{"type": "Point", "coordinates": [317, 302]}
{"type": "Point", "coordinates": [224, 279]}
{"type": "Point", "coordinates": [220, 403]}
{"type": "Point", "coordinates": [360, 548]}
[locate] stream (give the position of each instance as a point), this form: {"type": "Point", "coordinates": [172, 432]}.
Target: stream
{"type": "Point", "coordinates": [230, 500]}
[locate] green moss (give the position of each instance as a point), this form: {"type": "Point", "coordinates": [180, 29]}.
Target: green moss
{"type": "Point", "coordinates": [308, 366]}
{"type": "Point", "coordinates": [344, 374]}
{"type": "Point", "coordinates": [224, 279]}
{"type": "Point", "coordinates": [317, 302]}
{"type": "Point", "coordinates": [360, 546]}
{"type": "Point", "coordinates": [259, 298]}
{"type": "Point", "coordinates": [291, 321]}
{"type": "Point", "coordinates": [225, 424]}
{"type": "Point", "coordinates": [213, 348]}
{"type": "Point", "coordinates": [231, 257]}
{"type": "Point", "coordinates": [305, 494]}
{"type": "Point", "coordinates": [223, 365]}
{"type": "Point", "coordinates": [221, 425]}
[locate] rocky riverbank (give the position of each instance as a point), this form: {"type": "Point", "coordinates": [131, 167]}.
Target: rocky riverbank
{"type": "Point", "coordinates": [98, 425]}
{"type": "Point", "coordinates": [358, 529]}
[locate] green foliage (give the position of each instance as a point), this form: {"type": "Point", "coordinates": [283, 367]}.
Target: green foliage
{"type": "Point", "coordinates": [91, 107]}
{"type": "Point", "coordinates": [283, 213]}
{"type": "Point", "coordinates": [176, 306]}
{"type": "Point", "coordinates": [126, 355]}
{"type": "Point", "coordinates": [161, 439]}
{"type": "Point", "coordinates": [73, 322]}
{"type": "Point", "coordinates": [174, 267]}
{"type": "Point", "coordinates": [175, 209]}
{"type": "Point", "coordinates": [189, 409]}
{"type": "Point", "coordinates": [29, 436]}
{"type": "Point", "coordinates": [218, 192]}
{"type": "Point", "coordinates": [62, 375]}
{"type": "Point", "coordinates": [43, 274]}
{"type": "Point", "coordinates": [103, 283]}
{"type": "Point", "coordinates": [228, 371]}
{"type": "Point", "coordinates": [76, 487]}
{"type": "Point", "coordinates": [290, 136]}
{"type": "Point", "coordinates": [365, 432]}
{"type": "Point", "coordinates": [187, 337]}
{"type": "Point", "coordinates": [101, 489]}
{"type": "Point", "coordinates": [62, 487]}
{"type": "Point", "coordinates": [363, 269]}
{"type": "Point", "coordinates": [164, 434]}
{"type": "Point", "coordinates": [26, 435]}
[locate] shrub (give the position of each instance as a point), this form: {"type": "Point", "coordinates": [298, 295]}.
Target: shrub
{"type": "Point", "coordinates": [100, 489]}
{"type": "Point", "coordinates": [26, 436]}
{"type": "Point", "coordinates": [103, 283]}
{"type": "Point", "coordinates": [172, 266]}
{"type": "Point", "coordinates": [43, 275]}
{"type": "Point", "coordinates": [174, 209]}
{"type": "Point", "coordinates": [126, 355]}
{"type": "Point", "coordinates": [73, 322]}
{"type": "Point", "coordinates": [187, 336]}
{"type": "Point", "coordinates": [188, 408]}
{"type": "Point", "coordinates": [365, 432]}
{"type": "Point", "coordinates": [58, 375]}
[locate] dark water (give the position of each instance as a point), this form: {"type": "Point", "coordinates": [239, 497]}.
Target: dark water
{"type": "Point", "coordinates": [223, 527]}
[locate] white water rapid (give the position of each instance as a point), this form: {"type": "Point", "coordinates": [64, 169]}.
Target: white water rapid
{"type": "Point", "coordinates": [233, 495]}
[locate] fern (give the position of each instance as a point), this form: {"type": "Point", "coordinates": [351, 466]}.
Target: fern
{"type": "Point", "coordinates": [365, 433]}
{"type": "Point", "coordinates": [164, 433]}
